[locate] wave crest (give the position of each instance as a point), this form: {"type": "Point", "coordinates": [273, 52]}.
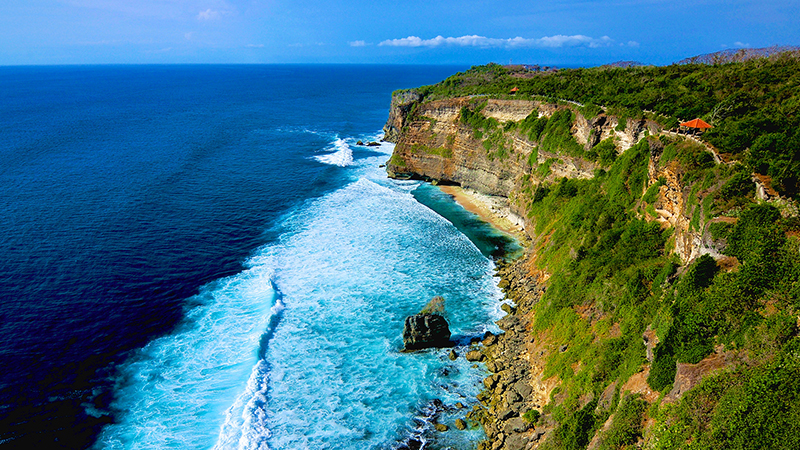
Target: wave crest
{"type": "Point", "coordinates": [342, 157]}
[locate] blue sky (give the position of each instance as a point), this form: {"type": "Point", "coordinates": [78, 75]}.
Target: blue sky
{"type": "Point", "coordinates": [386, 31]}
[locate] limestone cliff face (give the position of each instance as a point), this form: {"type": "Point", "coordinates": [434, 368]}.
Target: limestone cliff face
{"type": "Point", "coordinates": [402, 102]}
{"type": "Point", "coordinates": [433, 144]}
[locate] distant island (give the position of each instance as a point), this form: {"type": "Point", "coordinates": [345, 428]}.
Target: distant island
{"type": "Point", "coordinates": [658, 302]}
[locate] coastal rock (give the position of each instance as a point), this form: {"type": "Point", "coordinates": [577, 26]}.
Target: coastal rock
{"type": "Point", "coordinates": [460, 424]}
{"type": "Point", "coordinates": [506, 414]}
{"type": "Point", "coordinates": [474, 356]}
{"type": "Point", "coordinates": [516, 442]}
{"type": "Point", "coordinates": [523, 389]}
{"type": "Point", "coordinates": [491, 381]}
{"type": "Point", "coordinates": [494, 366]}
{"type": "Point", "coordinates": [516, 425]}
{"type": "Point", "coordinates": [425, 331]}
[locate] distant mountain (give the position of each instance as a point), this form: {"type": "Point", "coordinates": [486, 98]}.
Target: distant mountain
{"type": "Point", "coordinates": [741, 54]}
{"type": "Point", "coordinates": [623, 64]}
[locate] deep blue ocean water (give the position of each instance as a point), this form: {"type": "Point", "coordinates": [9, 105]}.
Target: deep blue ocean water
{"type": "Point", "coordinates": [202, 257]}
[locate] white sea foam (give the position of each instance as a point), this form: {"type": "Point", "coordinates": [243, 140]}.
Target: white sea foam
{"type": "Point", "coordinates": [365, 257]}
{"type": "Point", "coordinates": [174, 390]}
{"type": "Point", "coordinates": [342, 155]}
{"type": "Point", "coordinates": [300, 350]}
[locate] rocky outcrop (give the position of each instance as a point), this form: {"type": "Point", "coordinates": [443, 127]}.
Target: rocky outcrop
{"type": "Point", "coordinates": [425, 331]}
{"type": "Point", "coordinates": [402, 102]}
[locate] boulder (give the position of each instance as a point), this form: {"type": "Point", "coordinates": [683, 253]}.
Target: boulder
{"type": "Point", "coordinates": [506, 414]}
{"type": "Point", "coordinates": [425, 331]}
{"type": "Point", "coordinates": [474, 356]}
{"type": "Point", "coordinates": [491, 381]}
{"type": "Point", "coordinates": [461, 424]}
{"type": "Point", "coordinates": [489, 339]}
{"type": "Point", "coordinates": [516, 425]}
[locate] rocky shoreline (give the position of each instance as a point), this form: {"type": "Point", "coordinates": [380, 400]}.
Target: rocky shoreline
{"type": "Point", "coordinates": [511, 401]}
{"type": "Point", "coordinates": [514, 393]}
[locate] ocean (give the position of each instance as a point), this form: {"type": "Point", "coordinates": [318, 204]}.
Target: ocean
{"type": "Point", "coordinates": [202, 257]}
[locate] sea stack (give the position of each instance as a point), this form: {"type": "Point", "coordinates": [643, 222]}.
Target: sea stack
{"type": "Point", "coordinates": [428, 328]}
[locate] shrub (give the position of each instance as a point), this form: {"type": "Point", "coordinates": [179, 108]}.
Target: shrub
{"type": "Point", "coordinates": [720, 230]}
{"type": "Point", "coordinates": [576, 430]}
{"type": "Point", "coordinates": [626, 427]}
{"type": "Point", "coordinates": [532, 416]}
{"type": "Point", "coordinates": [663, 369]}
{"type": "Point", "coordinates": [739, 185]}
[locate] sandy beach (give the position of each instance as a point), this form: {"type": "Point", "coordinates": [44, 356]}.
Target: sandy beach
{"type": "Point", "coordinates": [493, 210]}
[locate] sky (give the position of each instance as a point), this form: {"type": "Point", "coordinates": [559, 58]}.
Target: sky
{"type": "Point", "coordinates": [552, 32]}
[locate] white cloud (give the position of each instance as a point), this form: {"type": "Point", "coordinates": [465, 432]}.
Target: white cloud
{"type": "Point", "coordinates": [358, 44]}
{"type": "Point", "coordinates": [208, 14]}
{"type": "Point", "coordinates": [557, 41]}
{"type": "Point", "coordinates": [255, 46]}
{"type": "Point", "coordinates": [189, 35]}
{"type": "Point", "coordinates": [740, 44]}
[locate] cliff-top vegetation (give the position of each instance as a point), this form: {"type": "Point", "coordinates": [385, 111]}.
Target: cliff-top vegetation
{"type": "Point", "coordinates": [753, 105]}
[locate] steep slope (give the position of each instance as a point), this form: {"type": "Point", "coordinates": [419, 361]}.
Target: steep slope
{"type": "Point", "coordinates": [658, 289]}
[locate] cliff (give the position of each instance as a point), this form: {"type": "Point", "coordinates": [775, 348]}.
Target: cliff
{"type": "Point", "coordinates": [434, 144]}
{"type": "Point", "coordinates": [632, 293]}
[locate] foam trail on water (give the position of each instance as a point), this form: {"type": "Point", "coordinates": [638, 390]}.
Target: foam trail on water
{"type": "Point", "coordinates": [300, 350]}
{"type": "Point", "coordinates": [342, 155]}
{"type": "Point", "coordinates": [174, 391]}
{"type": "Point", "coordinates": [360, 260]}
{"type": "Point", "coordinates": [245, 421]}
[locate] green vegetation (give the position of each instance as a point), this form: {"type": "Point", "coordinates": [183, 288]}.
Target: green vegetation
{"type": "Point", "coordinates": [532, 416]}
{"type": "Point", "coordinates": [605, 152]}
{"type": "Point", "coordinates": [626, 427]}
{"type": "Point", "coordinates": [753, 104]}
{"type": "Point", "coordinates": [397, 160]}
{"type": "Point", "coordinates": [440, 151]}
{"type": "Point", "coordinates": [556, 137]}
{"type": "Point", "coordinates": [575, 430]}
{"type": "Point", "coordinates": [611, 270]}
{"type": "Point", "coordinates": [487, 129]}
{"type": "Point", "coordinates": [613, 273]}
{"type": "Point", "coordinates": [745, 408]}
